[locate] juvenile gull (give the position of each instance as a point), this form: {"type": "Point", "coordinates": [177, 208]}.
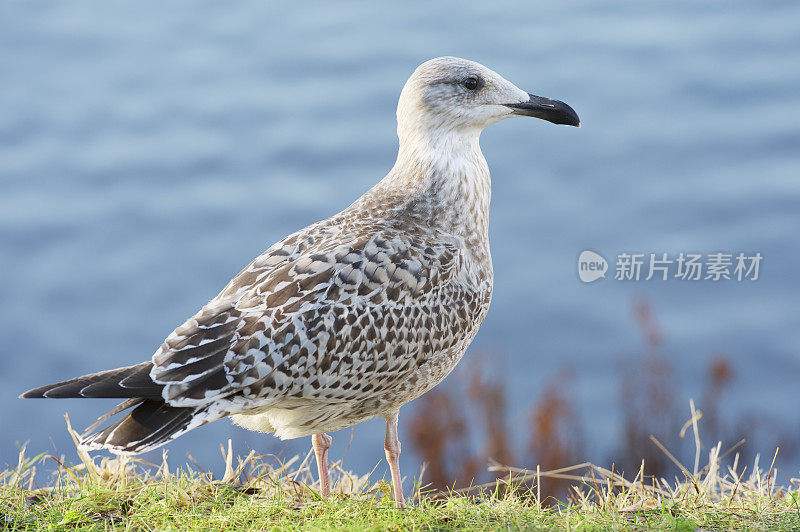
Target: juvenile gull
{"type": "Point", "coordinates": [351, 317]}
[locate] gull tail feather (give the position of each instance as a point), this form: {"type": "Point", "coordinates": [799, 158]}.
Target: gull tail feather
{"type": "Point", "coordinates": [151, 424]}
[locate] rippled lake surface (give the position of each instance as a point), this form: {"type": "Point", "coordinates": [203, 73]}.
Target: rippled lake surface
{"type": "Point", "coordinates": [149, 151]}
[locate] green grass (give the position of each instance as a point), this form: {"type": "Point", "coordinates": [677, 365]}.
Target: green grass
{"type": "Point", "coordinates": [259, 493]}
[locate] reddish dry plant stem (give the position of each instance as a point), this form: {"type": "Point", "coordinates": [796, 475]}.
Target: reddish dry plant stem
{"type": "Point", "coordinates": [459, 427]}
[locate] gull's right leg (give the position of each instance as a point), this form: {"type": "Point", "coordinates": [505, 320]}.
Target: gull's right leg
{"type": "Point", "coordinates": [392, 447]}
{"type": "Point", "coordinates": [321, 443]}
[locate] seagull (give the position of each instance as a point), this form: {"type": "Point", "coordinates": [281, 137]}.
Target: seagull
{"type": "Point", "coordinates": [349, 318]}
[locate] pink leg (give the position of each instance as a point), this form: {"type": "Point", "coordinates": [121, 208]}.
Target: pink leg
{"type": "Point", "coordinates": [392, 447]}
{"type": "Point", "coordinates": [321, 443]}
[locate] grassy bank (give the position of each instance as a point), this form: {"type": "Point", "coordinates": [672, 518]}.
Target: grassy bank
{"type": "Point", "coordinates": [260, 493]}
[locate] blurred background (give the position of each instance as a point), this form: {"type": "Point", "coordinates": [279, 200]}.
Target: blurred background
{"type": "Point", "coordinates": [148, 151]}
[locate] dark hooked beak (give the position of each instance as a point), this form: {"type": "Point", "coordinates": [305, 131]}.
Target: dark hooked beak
{"type": "Point", "coordinates": [551, 110]}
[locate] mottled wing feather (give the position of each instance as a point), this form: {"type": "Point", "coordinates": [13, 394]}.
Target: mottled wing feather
{"type": "Point", "coordinates": [191, 361]}
{"type": "Point", "coordinates": [318, 318]}
{"type": "Point", "coordinates": [338, 325]}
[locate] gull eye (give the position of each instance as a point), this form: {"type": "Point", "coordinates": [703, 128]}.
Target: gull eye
{"type": "Point", "coordinates": [471, 84]}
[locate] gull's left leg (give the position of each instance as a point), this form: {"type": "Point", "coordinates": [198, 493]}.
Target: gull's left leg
{"type": "Point", "coordinates": [321, 443]}
{"type": "Point", "coordinates": [392, 448]}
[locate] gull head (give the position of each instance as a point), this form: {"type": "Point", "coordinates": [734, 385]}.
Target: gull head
{"type": "Point", "coordinates": [449, 94]}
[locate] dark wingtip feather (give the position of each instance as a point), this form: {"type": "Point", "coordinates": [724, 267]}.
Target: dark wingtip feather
{"type": "Point", "coordinates": [42, 391]}
{"type": "Point", "coordinates": [129, 381]}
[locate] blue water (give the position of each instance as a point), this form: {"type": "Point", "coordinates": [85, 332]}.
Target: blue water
{"type": "Point", "coordinates": [148, 151]}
